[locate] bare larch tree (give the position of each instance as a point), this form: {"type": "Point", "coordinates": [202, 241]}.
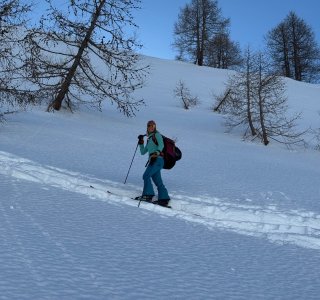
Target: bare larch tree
{"type": "Point", "coordinates": [294, 50]}
{"type": "Point", "coordinates": [85, 55]}
{"type": "Point", "coordinates": [197, 25]}
{"type": "Point", "coordinates": [13, 90]}
{"type": "Point", "coordinates": [255, 99]}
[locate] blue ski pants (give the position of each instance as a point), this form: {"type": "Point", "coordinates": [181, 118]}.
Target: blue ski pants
{"type": "Point", "coordinates": [153, 172]}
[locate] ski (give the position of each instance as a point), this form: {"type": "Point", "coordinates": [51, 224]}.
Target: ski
{"type": "Point", "coordinates": [112, 193]}
{"type": "Point", "coordinates": [154, 203]}
{"type": "Point", "coordinates": [168, 206]}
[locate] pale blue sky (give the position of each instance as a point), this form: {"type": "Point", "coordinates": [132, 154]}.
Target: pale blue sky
{"type": "Point", "coordinates": [250, 21]}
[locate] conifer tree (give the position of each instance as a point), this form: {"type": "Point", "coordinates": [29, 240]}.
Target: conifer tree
{"type": "Point", "coordinates": [13, 91]}
{"type": "Point", "coordinates": [256, 100]}
{"type": "Point", "coordinates": [85, 55]}
{"type": "Point", "coordinates": [293, 49]}
{"type": "Point", "coordinates": [198, 23]}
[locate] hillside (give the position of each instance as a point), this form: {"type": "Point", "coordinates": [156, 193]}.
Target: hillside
{"type": "Point", "coordinates": [245, 218]}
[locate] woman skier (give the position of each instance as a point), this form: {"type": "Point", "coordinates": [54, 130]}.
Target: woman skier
{"type": "Point", "coordinates": [153, 147]}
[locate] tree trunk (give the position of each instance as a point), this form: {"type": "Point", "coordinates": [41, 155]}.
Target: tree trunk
{"type": "Point", "coordinates": [248, 87]}
{"type": "Point", "coordinates": [285, 47]}
{"type": "Point", "coordinates": [224, 99]}
{"type": "Point", "coordinates": [56, 104]}
{"type": "Point", "coordinates": [261, 115]}
{"type": "Point", "coordinates": [249, 114]}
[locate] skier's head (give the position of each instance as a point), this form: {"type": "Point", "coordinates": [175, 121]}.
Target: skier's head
{"type": "Point", "coordinates": [151, 126]}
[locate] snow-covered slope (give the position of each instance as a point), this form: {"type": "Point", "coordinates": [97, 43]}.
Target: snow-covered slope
{"type": "Point", "coordinates": [245, 218]}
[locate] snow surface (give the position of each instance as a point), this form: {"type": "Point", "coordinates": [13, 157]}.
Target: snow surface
{"type": "Point", "coordinates": [245, 218]}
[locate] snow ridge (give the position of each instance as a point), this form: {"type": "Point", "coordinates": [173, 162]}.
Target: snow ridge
{"type": "Point", "coordinates": [301, 228]}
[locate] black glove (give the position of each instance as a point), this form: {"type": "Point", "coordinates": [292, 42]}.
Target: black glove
{"type": "Point", "coordinates": [140, 138]}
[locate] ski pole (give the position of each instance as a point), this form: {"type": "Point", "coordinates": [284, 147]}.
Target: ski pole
{"type": "Point", "coordinates": [131, 163]}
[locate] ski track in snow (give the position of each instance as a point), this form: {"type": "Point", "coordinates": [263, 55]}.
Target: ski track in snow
{"type": "Point", "coordinates": [301, 228]}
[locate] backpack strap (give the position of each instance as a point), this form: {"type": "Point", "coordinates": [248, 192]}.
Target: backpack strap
{"type": "Point", "coordinates": [154, 139]}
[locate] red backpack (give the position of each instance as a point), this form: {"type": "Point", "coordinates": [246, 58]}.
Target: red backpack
{"type": "Point", "coordinates": [171, 153]}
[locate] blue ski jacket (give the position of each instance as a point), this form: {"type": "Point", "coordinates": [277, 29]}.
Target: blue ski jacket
{"type": "Point", "coordinates": [151, 147]}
